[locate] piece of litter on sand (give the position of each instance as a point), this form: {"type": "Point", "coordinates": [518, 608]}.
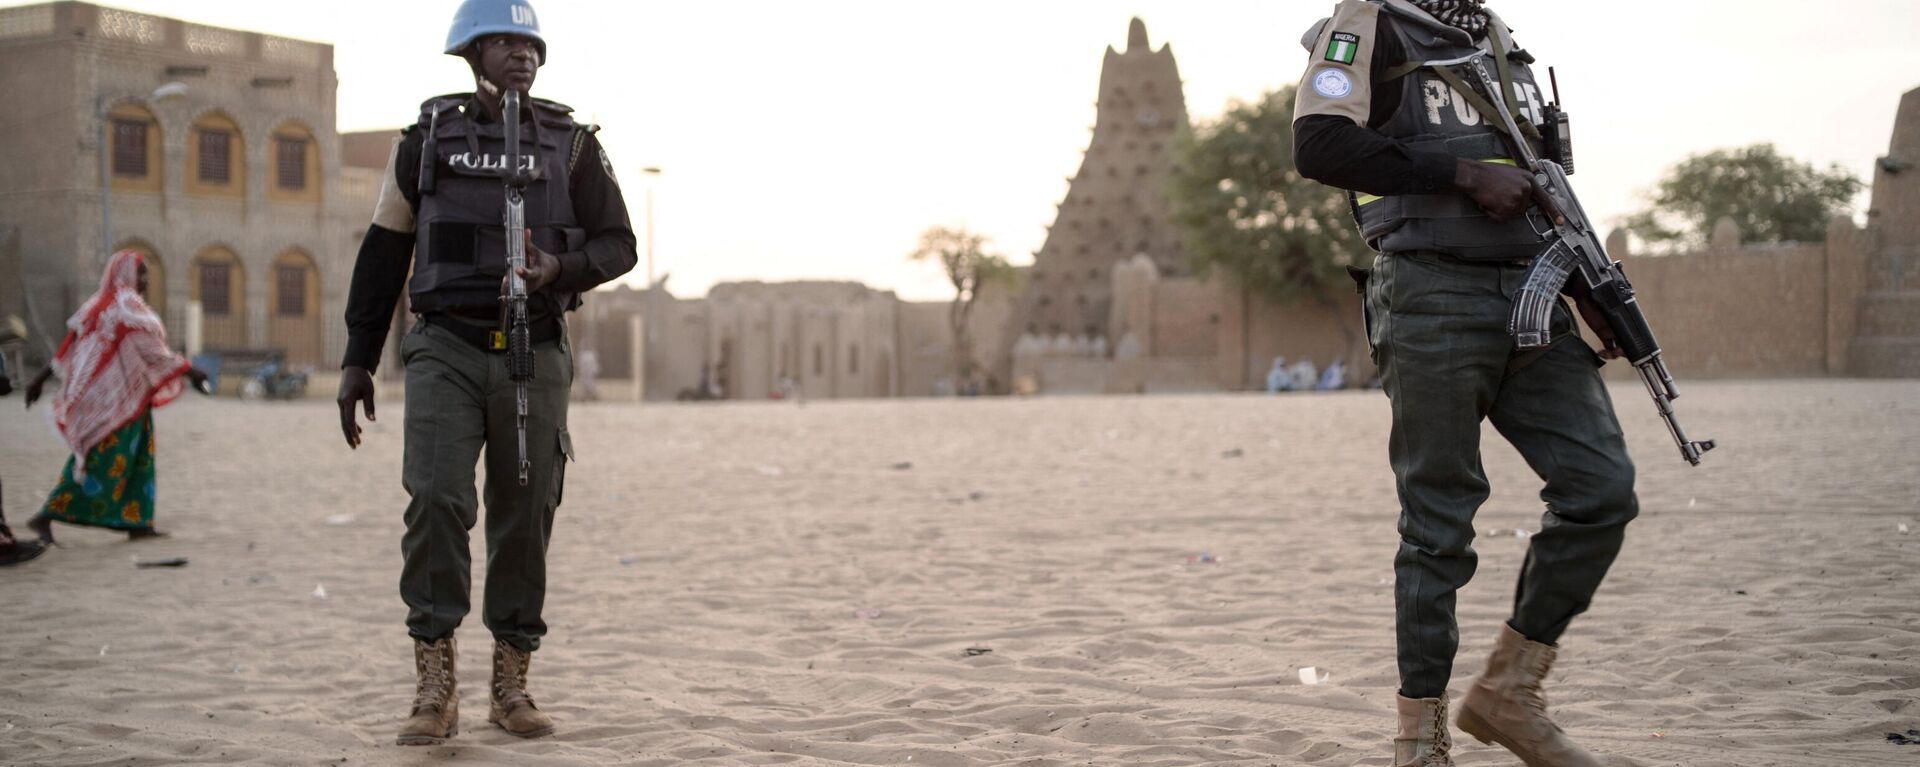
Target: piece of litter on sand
{"type": "Point", "coordinates": [770, 471]}
{"type": "Point", "coordinates": [340, 520]}
{"type": "Point", "coordinates": [319, 591]}
{"type": "Point", "coordinates": [903, 466]}
{"type": "Point", "coordinates": [1908, 738]}
{"type": "Point", "coordinates": [1204, 559]}
{"type": "Point", "coordinates": [628, 559]}
{"type": "Point", "coordinates": [103, 650]}
{"type": "Point", "coordinates": [174, 562]}
{"type": "Point", "coordinates": [976, 496]}
{"type": "Point", "coordinates": [978, 651]}
{"type": "Point", "coordinates": [1312, 676]}
{"type": "Point", "coordinates": [1234, 453]}
{"type": "Point", "coordinates": [1903, 528]}
{"type": "Point", "coordinates": [1691, 502]}
{"type": "Point", "coordinates": [867, 613]}
{"type": "Point", "coordinates": [1659, 735]}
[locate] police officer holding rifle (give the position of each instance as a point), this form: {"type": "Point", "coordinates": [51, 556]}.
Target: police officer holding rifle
{"type": "Point", "coordinates": [1402, 103]}
{"type": "Point", "coordinates": [487, 363]}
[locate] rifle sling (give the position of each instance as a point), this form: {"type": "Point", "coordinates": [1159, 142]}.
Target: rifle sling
{"type": "Point", "coordinates": [1504, 70]}
{"type": "Point", "coordinates": [1405, 68]}
{"type": "Point", "coordinates": [1519, 361]}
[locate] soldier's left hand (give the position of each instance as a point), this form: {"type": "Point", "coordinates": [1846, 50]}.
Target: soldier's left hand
{"type": "Point", "coordinates": [541, 270]}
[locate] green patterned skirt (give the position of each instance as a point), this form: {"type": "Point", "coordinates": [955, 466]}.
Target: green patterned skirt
{"type": "Point", "coordinates": [117, 492]}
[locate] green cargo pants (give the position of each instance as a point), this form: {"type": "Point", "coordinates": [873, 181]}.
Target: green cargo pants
{"type": "Point", "coordinates": [1438, 330]}
{"type": "Point", "coordinates": [460, 402]}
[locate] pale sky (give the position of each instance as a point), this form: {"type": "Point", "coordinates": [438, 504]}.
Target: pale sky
{"type": "Point", "coordinates": [816, 140]}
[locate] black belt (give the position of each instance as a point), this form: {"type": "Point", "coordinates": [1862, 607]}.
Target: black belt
{"type": "Point", "coordinates": [541, 330]}
{"type": "Point", "coordinates": [1521, 263]}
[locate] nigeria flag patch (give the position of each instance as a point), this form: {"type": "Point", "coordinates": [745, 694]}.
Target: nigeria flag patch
{"type": "Point", "coordinates": [1343, 46]}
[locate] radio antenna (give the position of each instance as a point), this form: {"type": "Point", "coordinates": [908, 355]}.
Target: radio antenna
{"type": "Point", "coordinates": [1555, 79]}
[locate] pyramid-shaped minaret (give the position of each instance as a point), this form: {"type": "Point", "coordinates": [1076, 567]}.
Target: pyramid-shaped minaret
{"type": "Point", "coordinates": [1116, 205]}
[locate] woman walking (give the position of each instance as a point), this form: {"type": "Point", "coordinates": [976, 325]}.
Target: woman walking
{"type": "Point", "coordinates": [114, 369]}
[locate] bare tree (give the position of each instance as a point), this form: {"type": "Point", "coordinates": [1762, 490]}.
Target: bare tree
{"type": "Point", "coordinates": [969, 267]}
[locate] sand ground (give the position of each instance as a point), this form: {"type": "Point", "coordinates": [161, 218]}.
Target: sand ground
{"type": "Point", "coordinates": [712, 566]}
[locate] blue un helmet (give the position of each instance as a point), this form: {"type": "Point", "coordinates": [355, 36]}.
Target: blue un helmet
{"type": "Point", "coordinates": [479, 18]}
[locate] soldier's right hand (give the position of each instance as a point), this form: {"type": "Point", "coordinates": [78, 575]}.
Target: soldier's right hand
{"type": "Point", "coordinates": [356, 386]}
{"type": "Point", "coordinates": [1505, 192]}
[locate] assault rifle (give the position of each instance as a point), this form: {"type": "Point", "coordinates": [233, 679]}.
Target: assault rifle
{"type": "Point", "coordinates": [1573, 248]}
{"type": "Point", "coordinates": [513, 299]}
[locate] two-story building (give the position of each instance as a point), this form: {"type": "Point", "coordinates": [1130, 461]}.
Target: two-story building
{"type": "Point", "coordinates": [212, 150]}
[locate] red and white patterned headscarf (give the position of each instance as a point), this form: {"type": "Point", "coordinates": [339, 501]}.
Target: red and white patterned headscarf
{"type": "Point", "coordinates": [114, 363]}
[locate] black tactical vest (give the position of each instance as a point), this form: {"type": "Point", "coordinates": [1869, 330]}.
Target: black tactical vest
{"type": "Point", "coordinates": [460, 248]}
{"type": "Point", "coordinates": [1432, 116]}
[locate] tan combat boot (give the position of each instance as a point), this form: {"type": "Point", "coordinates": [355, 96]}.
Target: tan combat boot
{"type": "Point", "coordinates": [513, 708]}
{"type": "Point", "coordinates": [1424, 739]}
{"type": "Point", "coordinates": [436, 702]}
{"type": "Point", "coordinates": [1506, 705]}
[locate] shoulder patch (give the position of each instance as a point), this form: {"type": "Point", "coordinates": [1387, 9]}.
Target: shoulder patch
{"type": "Point", "coordinates": [1332, 83]}
{"type": "Point", "coordinates": [1342, 46]}
{"type": "Point", "coordinates": [607, 165]}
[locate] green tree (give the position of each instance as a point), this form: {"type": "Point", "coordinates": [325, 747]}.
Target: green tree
{"type": "Point", "coordinates": [970, 267]}
{"type": "Point", "coordinates": [1773, 198]}
{"type": "Point", "coordinates": [1243, 208]}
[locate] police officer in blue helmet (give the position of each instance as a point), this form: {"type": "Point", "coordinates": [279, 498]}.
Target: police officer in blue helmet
{"type": "Point", "coordinates": [439, 218]}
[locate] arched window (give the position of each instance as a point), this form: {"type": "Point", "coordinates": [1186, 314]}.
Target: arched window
{"type": "Point", "coordinates": [219, 284]}
{"type": "Point", "coordinates": [216, 157]}
{"type": "Point", "coordinates": [133, 141]}
{"type": "Point", "coordinates": [293, 307]}
{"type": "Point", "coordinates": [294, 175]}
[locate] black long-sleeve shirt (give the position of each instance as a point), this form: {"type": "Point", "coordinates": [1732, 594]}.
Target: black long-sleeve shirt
{"type": "Point", "coordinates": [386, 253]}
{"type": "Point", "coordinates": [1336, 151]}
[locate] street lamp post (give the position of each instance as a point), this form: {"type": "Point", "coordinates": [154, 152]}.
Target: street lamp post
{"type": "Point", "coordinates": [170, 90]}
{"type": "Point", "coordinates": [642, 341]}
{"type": "Point", "coordinates": [655, 173]}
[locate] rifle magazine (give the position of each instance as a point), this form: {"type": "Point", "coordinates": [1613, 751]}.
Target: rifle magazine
{"type": "Point", "coordinates": [1531, 323]}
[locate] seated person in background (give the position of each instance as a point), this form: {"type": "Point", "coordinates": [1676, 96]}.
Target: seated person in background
{"type": "Point", "coordinates": [1278, 379]}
